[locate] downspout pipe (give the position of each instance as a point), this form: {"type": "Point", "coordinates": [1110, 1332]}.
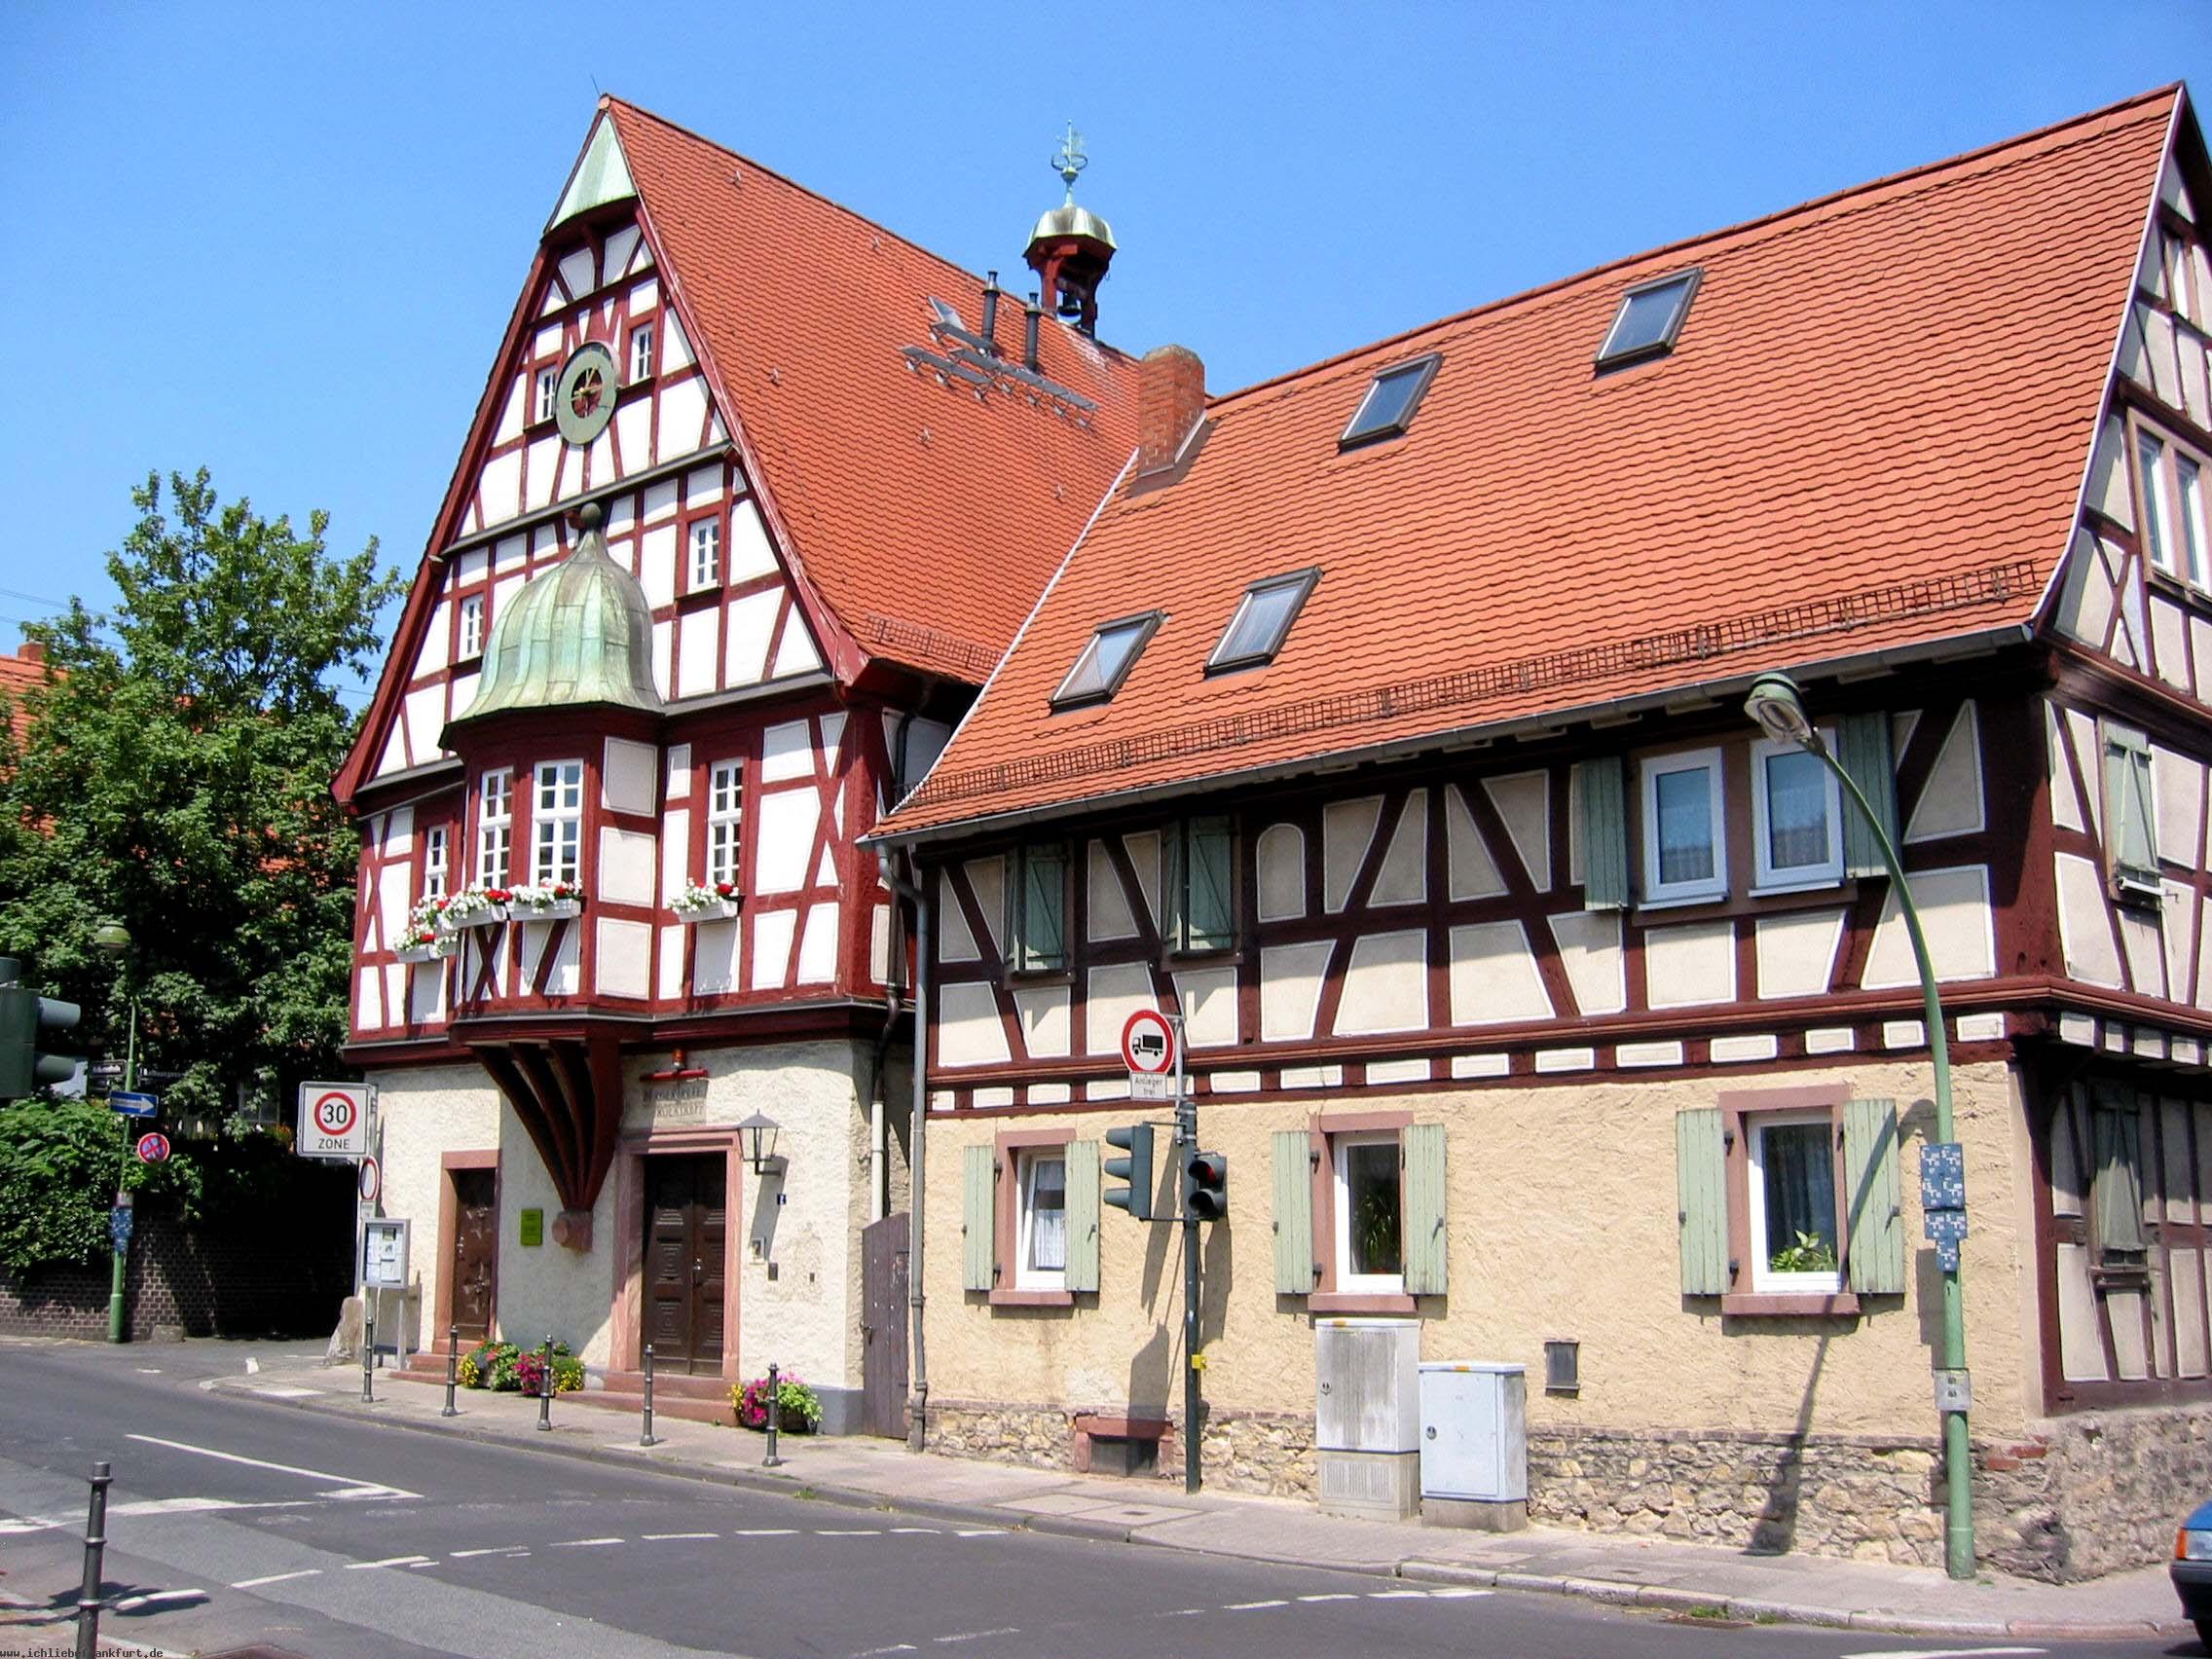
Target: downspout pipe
{"type": "Point", "coordinates": [894, 983]}
{"type": "Point", "coordinates": [917, 1147]}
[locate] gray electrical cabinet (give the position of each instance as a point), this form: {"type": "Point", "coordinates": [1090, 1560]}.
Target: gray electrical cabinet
{"type": "Point", "coordinates": [1474, 1445]}
{"type": "Point", "coordinates": [1367, 1416]}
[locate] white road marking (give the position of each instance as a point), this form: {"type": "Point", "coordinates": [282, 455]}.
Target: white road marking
{"type": "Point", "coordinates": [765, 1532]}
{"type": "Point", "coordinates": [982, 1532]}
{"type": "Point", "coordinates": [276, 1578]}
{"type": "Point", "coordinates": [930, 1531]}
{"type": "Point", "coordinates": [1185, 1613]}
{"type": "Point", "coordinates": [252, 1365]}
{"type": "Point", "coordinates": [493, 1549]}
{"type": "Point", "coordinates": [1252, 1606]}
{"type": "Point", "coordinates": [1940, 1652]}
{"type": "Point", "coordinates": [9, 1529]}
{"type": "Point", "coordinates": [1332, 1596]}
{"type": "Point", "coordinates": [848, 1531]}
{"type": "Point", "coordinates": [393, 1560]}
{"type": "Point", "coordinates": [895, 1647]}
{"type": "Point", "coordinates": [1398, 1595]}
{"type": "Point", "coordinates": [207, 1384]}
{"type": "Point", "coordinates": [1457, 1593]}
{"type": "Point", "coordinates": [663, 1537]}
{"type": "Point", "coordinates": [584, 1543]}
{"type": "Point", "coordinates": [978, 1635]}
{"type": "Point", "coordinates": [351, 1486]}
{"type": "Point", "coordinates": [130, 1603]}
{"type": "Point", "coordinates": [149, 1371]}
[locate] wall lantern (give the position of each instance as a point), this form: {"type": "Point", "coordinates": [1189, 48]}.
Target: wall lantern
{"type": "Point", "coordinates": [756, 1139]}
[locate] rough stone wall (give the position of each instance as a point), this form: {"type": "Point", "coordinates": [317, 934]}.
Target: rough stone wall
{"type": "Point", "coordinates": [1261, 1452]}
{"type": "Point", "coordinates": [2093, 1493]}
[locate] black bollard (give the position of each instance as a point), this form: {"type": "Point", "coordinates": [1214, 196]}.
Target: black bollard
{"type": "Point", "coordinates": [368, 1347]}
{"type": "Point", "coordinates": [775, 1415]}
{"type": "Point", "coordinates": [453, 1367]}
{"type": "Point", "coordinates": [646, 1436]}
{"type": "Point", "coordinates": [95, 1545]}
{"type": "Point", "coordinates": [545, 1388]}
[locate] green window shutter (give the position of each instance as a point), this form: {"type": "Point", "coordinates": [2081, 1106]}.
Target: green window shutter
{"type": "Point", "coordinates": [1701, 1191]}
{"type": "Point", "coordinates": [1208, 897]}
{"type": "Point", "coordinates": [1604, 834]}
{"type": "Point", "coordinates": [1294, 1212]}
{"type": "Point", "coordinates": [1421, 1205]}
{"type": "Point", "coordinates": [2120, 1173]}
{"type": "Point", "coordinates": [1862, 746]}
{"type": "Point", "coordinates": [1083, 1215]}
{"type": "Point", "coordinates": [978, 1218]}
{"type": "Point", "coordinates": [1040, 939]}
{"type": "Point", "coordinates": [1875, 1227]}
{"type": "Point", "coordinates": [2128, 836]}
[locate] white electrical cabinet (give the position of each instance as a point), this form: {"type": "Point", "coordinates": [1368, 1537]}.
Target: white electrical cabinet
{"type": "Point", "coordinates": [1367, 1416]}
{"type": "Point", "coordinates": [1474, 1445]}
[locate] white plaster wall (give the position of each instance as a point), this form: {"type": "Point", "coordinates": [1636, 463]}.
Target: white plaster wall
{"type": "Point", "coordinates": [426, 1114]}
{"type": "Point", "coordinates": [548, 1289]}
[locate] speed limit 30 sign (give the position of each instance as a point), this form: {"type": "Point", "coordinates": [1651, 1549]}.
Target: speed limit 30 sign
{"type": "Point", "coordinates": [334, 1120]}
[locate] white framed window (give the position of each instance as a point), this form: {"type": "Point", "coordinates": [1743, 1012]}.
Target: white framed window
{"type": "Point", "coordinates": [706, 553]}
{"type": "Point", "coordinates": [2159, 538]}
{"type": "Point", "coordinates": [471, 627]}
{"type": "Point", "coordinates": [1796, 1248]}
{"type": "Point", "coordinates": [1685, 850]}
{"type": "Point", "coordinates": [1797, 818]}
{"type": "Point", "coordinates": [1041, 1222]}
{"type": "Point", "coordinates": [725, 821]}
{"type": "Point", "coordinates": [557, 823]}
{"type": "Point", "coordinates": [642, 352]}
{"type": "Point", "coordinates": [2196, 550]}
{"type": "Point", "coordinates": [1369, 1213]}
{"type": "Point", "coordinates": [434, 870]}
{"type": "Point", "coordinates": [495, 827]}
{"type": "Point", "coordinates": [548, 380]}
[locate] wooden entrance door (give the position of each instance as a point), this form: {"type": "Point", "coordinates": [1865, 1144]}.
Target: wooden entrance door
{"type": "Point", "coordinates": [475, 1252]}
{"type": "Point", "coordinates": [687, 1222]}
{"type": "Point", "coordinates": [883, 1327]}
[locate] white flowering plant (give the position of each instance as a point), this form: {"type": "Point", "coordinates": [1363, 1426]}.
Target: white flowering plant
{"type": "Point", "coordinates": [705, 897]}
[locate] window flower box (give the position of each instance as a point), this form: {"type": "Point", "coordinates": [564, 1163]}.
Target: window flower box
{"type": "Point", "coordinates": [475, 907]}
{"type": "Point", "coordinates": [546, 902]}
{"type": "Point", "coordinates": [427, 937]}
{"type": "Point", "coordinates": [435, 948]}
{"type": "Point", "coordinates": [716, 903]}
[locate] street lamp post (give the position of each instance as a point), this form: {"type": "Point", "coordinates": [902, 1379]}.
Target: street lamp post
{"type": "Point", "coordinates": [114, 939]}
{"type": "Point", "coordinates": [1779, 709]}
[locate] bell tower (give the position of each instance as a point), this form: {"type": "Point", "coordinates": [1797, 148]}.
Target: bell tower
{"type": "Point", "coordinates": [1072, 247]}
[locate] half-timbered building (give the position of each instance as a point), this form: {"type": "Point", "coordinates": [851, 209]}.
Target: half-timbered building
{"type": "Point", "coordinates": [1387, 725]}
{"type": "Point", "coordinates": [757, 494]}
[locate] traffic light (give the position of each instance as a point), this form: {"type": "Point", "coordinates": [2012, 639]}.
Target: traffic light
{"type": "Point", "coordinates": [24, 1014]}
{"type": "Point", "coordinates": [1206, 1186]}
{"type": "Point", "coordinates": [1135, 1139]}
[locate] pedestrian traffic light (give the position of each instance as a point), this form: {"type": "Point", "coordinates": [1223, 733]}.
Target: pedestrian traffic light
{"type": "Point", "coordinates": [1135, 1139]}
{"type": "Point", "coordinates": [1206, 1186]}
{"type": "Point", "coordinates": [24, 1014]}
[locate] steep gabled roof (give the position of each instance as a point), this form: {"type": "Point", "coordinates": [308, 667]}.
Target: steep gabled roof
{"type": "Point", "coordinates": [1870, 436]}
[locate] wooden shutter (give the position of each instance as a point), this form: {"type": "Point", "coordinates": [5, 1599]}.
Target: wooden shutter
{"type": "Point", "coordinates": [1701, 1191]}
{"type": "Point", "coordinates": [1422, 1207]}
{"type": "Point", "coordinates": [1873, 1236]}
{"type": "Point", "coordinates": [1083, 1215]}
{"type": "Point", "coordinates": [2130, 843]}
{"type": "Point", "coordinates": [1605, 834]}
{"type": "Point", "coordinates": [978, 1218]}
{"type": "Point", "coordinates": [2119, 1184]}
{"type": "Point", "coordinates": [1862, 746]}
{"type": "Point", "coordinates": [1209, 914]}
{"type": "Point", "coordinates": [1294, 1212]}
{"type": "Point", "coordinates": [1041, 939]}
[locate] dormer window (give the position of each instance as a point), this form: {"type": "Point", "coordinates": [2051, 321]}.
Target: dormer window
{"type": "Point", "coordinates": [1105, 661]}
{"type": "Point", "coordinates": [1650, 317]}
{"type": "Point", "coordinates": [1391, 398]}
{"type": "Point", "coordinates": [1262, 621]}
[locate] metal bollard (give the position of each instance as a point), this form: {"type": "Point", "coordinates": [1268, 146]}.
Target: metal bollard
{"type": "Point", "coordinates": [453, 1367]}
{"type": "Point", "coordinates": [95, 1545]}
{"type": "Point", "coordinates": [775, 1415]}
{"type": "Point", "coordinates": [646, 1436]}
{"type": "Point", "coordinates": [368, 1348]}
{"type": "Point", "coordinates": [545, 1388]}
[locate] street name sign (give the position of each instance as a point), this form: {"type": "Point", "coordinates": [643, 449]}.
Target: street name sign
{"type": "Point", "coordinates": [334, 1120]}
{"type": "Point", "coordinates": [133, 1105]}
{"type": "Point", "coordinates": [1148, 1049]}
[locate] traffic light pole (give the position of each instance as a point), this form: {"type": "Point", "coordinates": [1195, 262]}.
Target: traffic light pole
{"type": "Point", "coordinates": [117, 1330]}
{"type": "Point", "coordinates": [1187, 1143]}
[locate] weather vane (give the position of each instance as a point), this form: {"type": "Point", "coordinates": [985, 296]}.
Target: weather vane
{"type": "Point", "coordinates": [1069, 160]}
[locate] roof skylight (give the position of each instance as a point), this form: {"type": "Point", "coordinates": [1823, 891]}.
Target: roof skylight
{"type": "Point", "coordinates": [1105, 661]}
{"type": "Point", "coordinates": [1652, 315]}
{"type": "Point", "coordinates": [1391, 398]}
{"type": "Point", "coordinates": [1262, 621]}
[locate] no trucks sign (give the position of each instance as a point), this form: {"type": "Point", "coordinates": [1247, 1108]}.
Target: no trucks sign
{"type": "Point", "coordinates": [334, 1120]}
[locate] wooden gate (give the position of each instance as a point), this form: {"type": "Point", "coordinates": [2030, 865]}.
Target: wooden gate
{"type": "Point", "coordinates": [475, 1252]}
{"type": "Point", "coordinates": [685, 1224]}
{"type": "Point", "coordinates": [883, 1327]}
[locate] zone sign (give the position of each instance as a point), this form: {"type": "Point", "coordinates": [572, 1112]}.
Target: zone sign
{"type": "Point", "coordinates": [334, 1120]}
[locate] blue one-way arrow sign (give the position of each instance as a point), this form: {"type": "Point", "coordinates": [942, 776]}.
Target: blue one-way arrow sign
{"type": "Point", "coordinates": [135, 1105]}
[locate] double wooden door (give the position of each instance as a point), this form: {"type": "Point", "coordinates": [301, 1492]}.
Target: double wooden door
{"type": "Point", "coordinates": [475, 1253]}
{"type": "Point", "coordinates": [686, 1226]}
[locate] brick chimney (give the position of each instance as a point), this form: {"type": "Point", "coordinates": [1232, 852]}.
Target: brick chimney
{"type": "Point", "coordinates": [31, 650]}
{"type": "Point", "coordinates": [1171, 399]}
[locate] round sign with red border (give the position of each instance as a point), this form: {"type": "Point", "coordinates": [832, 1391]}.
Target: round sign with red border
{"type": "Point", "coordinates": [370, 1180]}
{"type": "Point", "coordinates": [1148, 1043]}
{"type": "Point", "coordinates": [153, 1148]}
{"type": "Point", "coordinates": [334, 1114]}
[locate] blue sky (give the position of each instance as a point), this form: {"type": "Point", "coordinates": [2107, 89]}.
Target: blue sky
{"type": "Point", "coordinates": [282, 241]}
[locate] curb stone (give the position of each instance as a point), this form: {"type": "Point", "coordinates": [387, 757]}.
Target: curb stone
{"type": "Point", "coordinates": [1791, 1612]}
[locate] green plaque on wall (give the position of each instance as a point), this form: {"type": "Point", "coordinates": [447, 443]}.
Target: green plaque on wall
{"type": "Point", "coordinates": [534, 1226]}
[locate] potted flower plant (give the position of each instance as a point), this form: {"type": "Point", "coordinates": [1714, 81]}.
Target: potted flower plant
{"type": "Point", "coordinates": [711, 902]}
{"type": "Point", "coordinates": [545, 900]}
{"type": "Point", "coordinates": [426, 938]}
{"type": "Point", "coordinates": [475, 907]}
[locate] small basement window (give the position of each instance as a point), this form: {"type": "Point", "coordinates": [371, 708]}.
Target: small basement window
{"type": "Point", "coordinates": [1105, 661]}
{"type": "Point", "coordinates": [1650, 317]}
{"type": "Point", "coordinates": [1392, 397]}
{"type": "Point", "coordinates": [1262, 621]}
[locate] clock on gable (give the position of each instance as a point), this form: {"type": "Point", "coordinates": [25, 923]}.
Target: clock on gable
{"type": "Point", "coordinates": [583, 399]}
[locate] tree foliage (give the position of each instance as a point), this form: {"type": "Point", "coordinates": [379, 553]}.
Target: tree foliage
{"type": "Point", "coordinates": [176, 776]}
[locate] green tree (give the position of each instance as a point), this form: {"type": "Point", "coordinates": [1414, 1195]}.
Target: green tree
{"type": "Point", "coordinates": [175, 775]}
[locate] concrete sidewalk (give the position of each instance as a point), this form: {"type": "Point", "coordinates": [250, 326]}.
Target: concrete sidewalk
{"type": "Point", "coordinates": [1649, 1572]}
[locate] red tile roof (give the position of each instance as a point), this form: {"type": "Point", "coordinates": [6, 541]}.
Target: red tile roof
{"type": "Point", "coordinates": [18, 675]}
{"type": "Point", "coordinates": [928, 519]}
{"type": "Point", "coordinates": [1870, 434]}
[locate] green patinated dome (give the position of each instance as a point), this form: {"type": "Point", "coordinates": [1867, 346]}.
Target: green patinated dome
{"type": "Point", "coordinates": [578, 635]}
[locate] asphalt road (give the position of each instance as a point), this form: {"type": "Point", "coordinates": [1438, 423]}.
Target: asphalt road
{"type": "Point", "coordinates": [237, 1522]}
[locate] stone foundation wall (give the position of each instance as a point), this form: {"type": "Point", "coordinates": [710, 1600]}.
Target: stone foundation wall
{"type": "Point", "coordinates": [1270, 1452]}
{"type": "Point", "coordinates": [2093, 1493]}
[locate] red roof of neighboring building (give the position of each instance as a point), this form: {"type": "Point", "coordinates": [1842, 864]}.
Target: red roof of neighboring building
{"type": "Point", "coordinates": [18, 675]}
{"type": "Point", "coordinates": [1871, 434]}
{"type": "Point", "coordinates": [927, 518]}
